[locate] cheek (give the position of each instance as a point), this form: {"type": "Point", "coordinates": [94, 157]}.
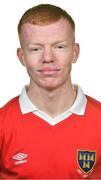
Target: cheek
{"type": "Point", "coordinates": [67, 66]}
{"type": "Point", "coordinates": [65, 57]}
{"type": "Point", "coordinates": [30, 66]}
{"type": "Point", "coordinates": [31, 62]}
{"type": "Point", "coordinates": [66, 61]}
{"type": "Point", "coordinates": [33, 56]}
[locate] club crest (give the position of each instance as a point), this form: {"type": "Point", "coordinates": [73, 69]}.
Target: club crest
{"type": "Point", "coordinates": [86, 160]}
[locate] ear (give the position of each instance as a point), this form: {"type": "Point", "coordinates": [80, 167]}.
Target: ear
{"type": "Point", "coordinates": [20, 55]}
{"type": "Point", "coordinates": [76, 51]}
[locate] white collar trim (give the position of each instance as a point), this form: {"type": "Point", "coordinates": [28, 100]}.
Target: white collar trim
{"type": "Point", "coordinates": [78, 106]}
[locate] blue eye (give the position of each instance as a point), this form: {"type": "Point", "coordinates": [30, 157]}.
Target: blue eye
{"type": "Point", "coordinates": [60, 47]}
{"type": "Point", "coordinates": [36, 49]}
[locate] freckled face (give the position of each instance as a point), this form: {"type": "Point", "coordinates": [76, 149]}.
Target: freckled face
{"type": "Point", "coordinates": [48, 53]}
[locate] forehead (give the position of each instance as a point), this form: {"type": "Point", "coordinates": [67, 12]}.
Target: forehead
{"type": "Point", "coordinates": [58, 30]}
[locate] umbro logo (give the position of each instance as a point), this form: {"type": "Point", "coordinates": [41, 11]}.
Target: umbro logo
{"type": "Point", "coordinates": [20, 157]}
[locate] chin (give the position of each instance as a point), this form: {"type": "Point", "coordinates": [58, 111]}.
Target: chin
{"type": "Point", "coordinates": [51, 86]}
{"type": "Point", "coordinates": [49, 83]}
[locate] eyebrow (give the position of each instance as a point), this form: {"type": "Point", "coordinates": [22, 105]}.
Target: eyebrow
{"type": "Point", "coordinates": [36, 44]}
{"type": "Point", "coordinates": [39, 44]}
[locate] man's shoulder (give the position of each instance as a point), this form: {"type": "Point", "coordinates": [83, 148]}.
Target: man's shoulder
{"type": "Point", "coordinates": [93, 104]}
{"type": "Point", "coordinates": [9, 114]}
{"type": "Point", "coordinates": [10, 106]}
{"type": "Point", "coordinates": [93, 101]}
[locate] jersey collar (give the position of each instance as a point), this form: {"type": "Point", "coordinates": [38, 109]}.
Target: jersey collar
{"type": "Point", "coordinates": [78, 106]}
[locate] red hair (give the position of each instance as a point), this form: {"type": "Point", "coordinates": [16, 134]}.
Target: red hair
{"type": "Point", "coordinates": [44, 14]}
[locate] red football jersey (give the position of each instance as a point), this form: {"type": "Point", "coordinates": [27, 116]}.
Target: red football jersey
{"type": "Point", "coordinates": [30, 148]}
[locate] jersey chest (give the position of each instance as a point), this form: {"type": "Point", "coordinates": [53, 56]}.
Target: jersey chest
{"type": "Point", "coordinates": [35, 149]}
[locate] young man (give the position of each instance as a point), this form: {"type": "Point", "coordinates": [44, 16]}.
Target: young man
{"type": "Point", "coordinates": [52, 130]}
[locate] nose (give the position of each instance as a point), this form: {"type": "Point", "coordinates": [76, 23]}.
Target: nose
{"type": "Point", "coordinates": [48, 55]}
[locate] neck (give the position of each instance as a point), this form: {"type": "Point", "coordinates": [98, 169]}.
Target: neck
{"type": "Point", "coordinates": [52, 102]}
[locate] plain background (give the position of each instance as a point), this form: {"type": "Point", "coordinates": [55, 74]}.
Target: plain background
{"type": "Point", "coordinates": [86, 72]}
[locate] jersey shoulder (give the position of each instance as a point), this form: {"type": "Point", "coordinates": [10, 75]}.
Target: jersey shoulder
{"type": "Point", "coordinates": [10, 107]}
{"type": "Point", "coordinates": [93, 102]}
{"type": "Point", "coordinates": [93, 105]}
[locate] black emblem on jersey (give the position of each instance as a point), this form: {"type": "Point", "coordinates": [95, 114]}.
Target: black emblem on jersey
{"type": "Point", "coordinates": [86, 160]}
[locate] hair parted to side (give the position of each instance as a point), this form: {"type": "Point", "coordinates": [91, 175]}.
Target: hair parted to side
{"type": "Point", "coordinates": [44, 14]}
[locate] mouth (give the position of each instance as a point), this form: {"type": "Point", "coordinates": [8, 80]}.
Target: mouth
{"type": "Point", "coordinates": [49, 71]}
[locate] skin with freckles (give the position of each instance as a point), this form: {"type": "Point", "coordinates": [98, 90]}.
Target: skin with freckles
{"type": "Point", "coordinates": [48, 53]}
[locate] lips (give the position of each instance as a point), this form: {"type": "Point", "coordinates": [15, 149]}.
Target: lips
{"type": "Point", "coordinates": [49, 71]}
